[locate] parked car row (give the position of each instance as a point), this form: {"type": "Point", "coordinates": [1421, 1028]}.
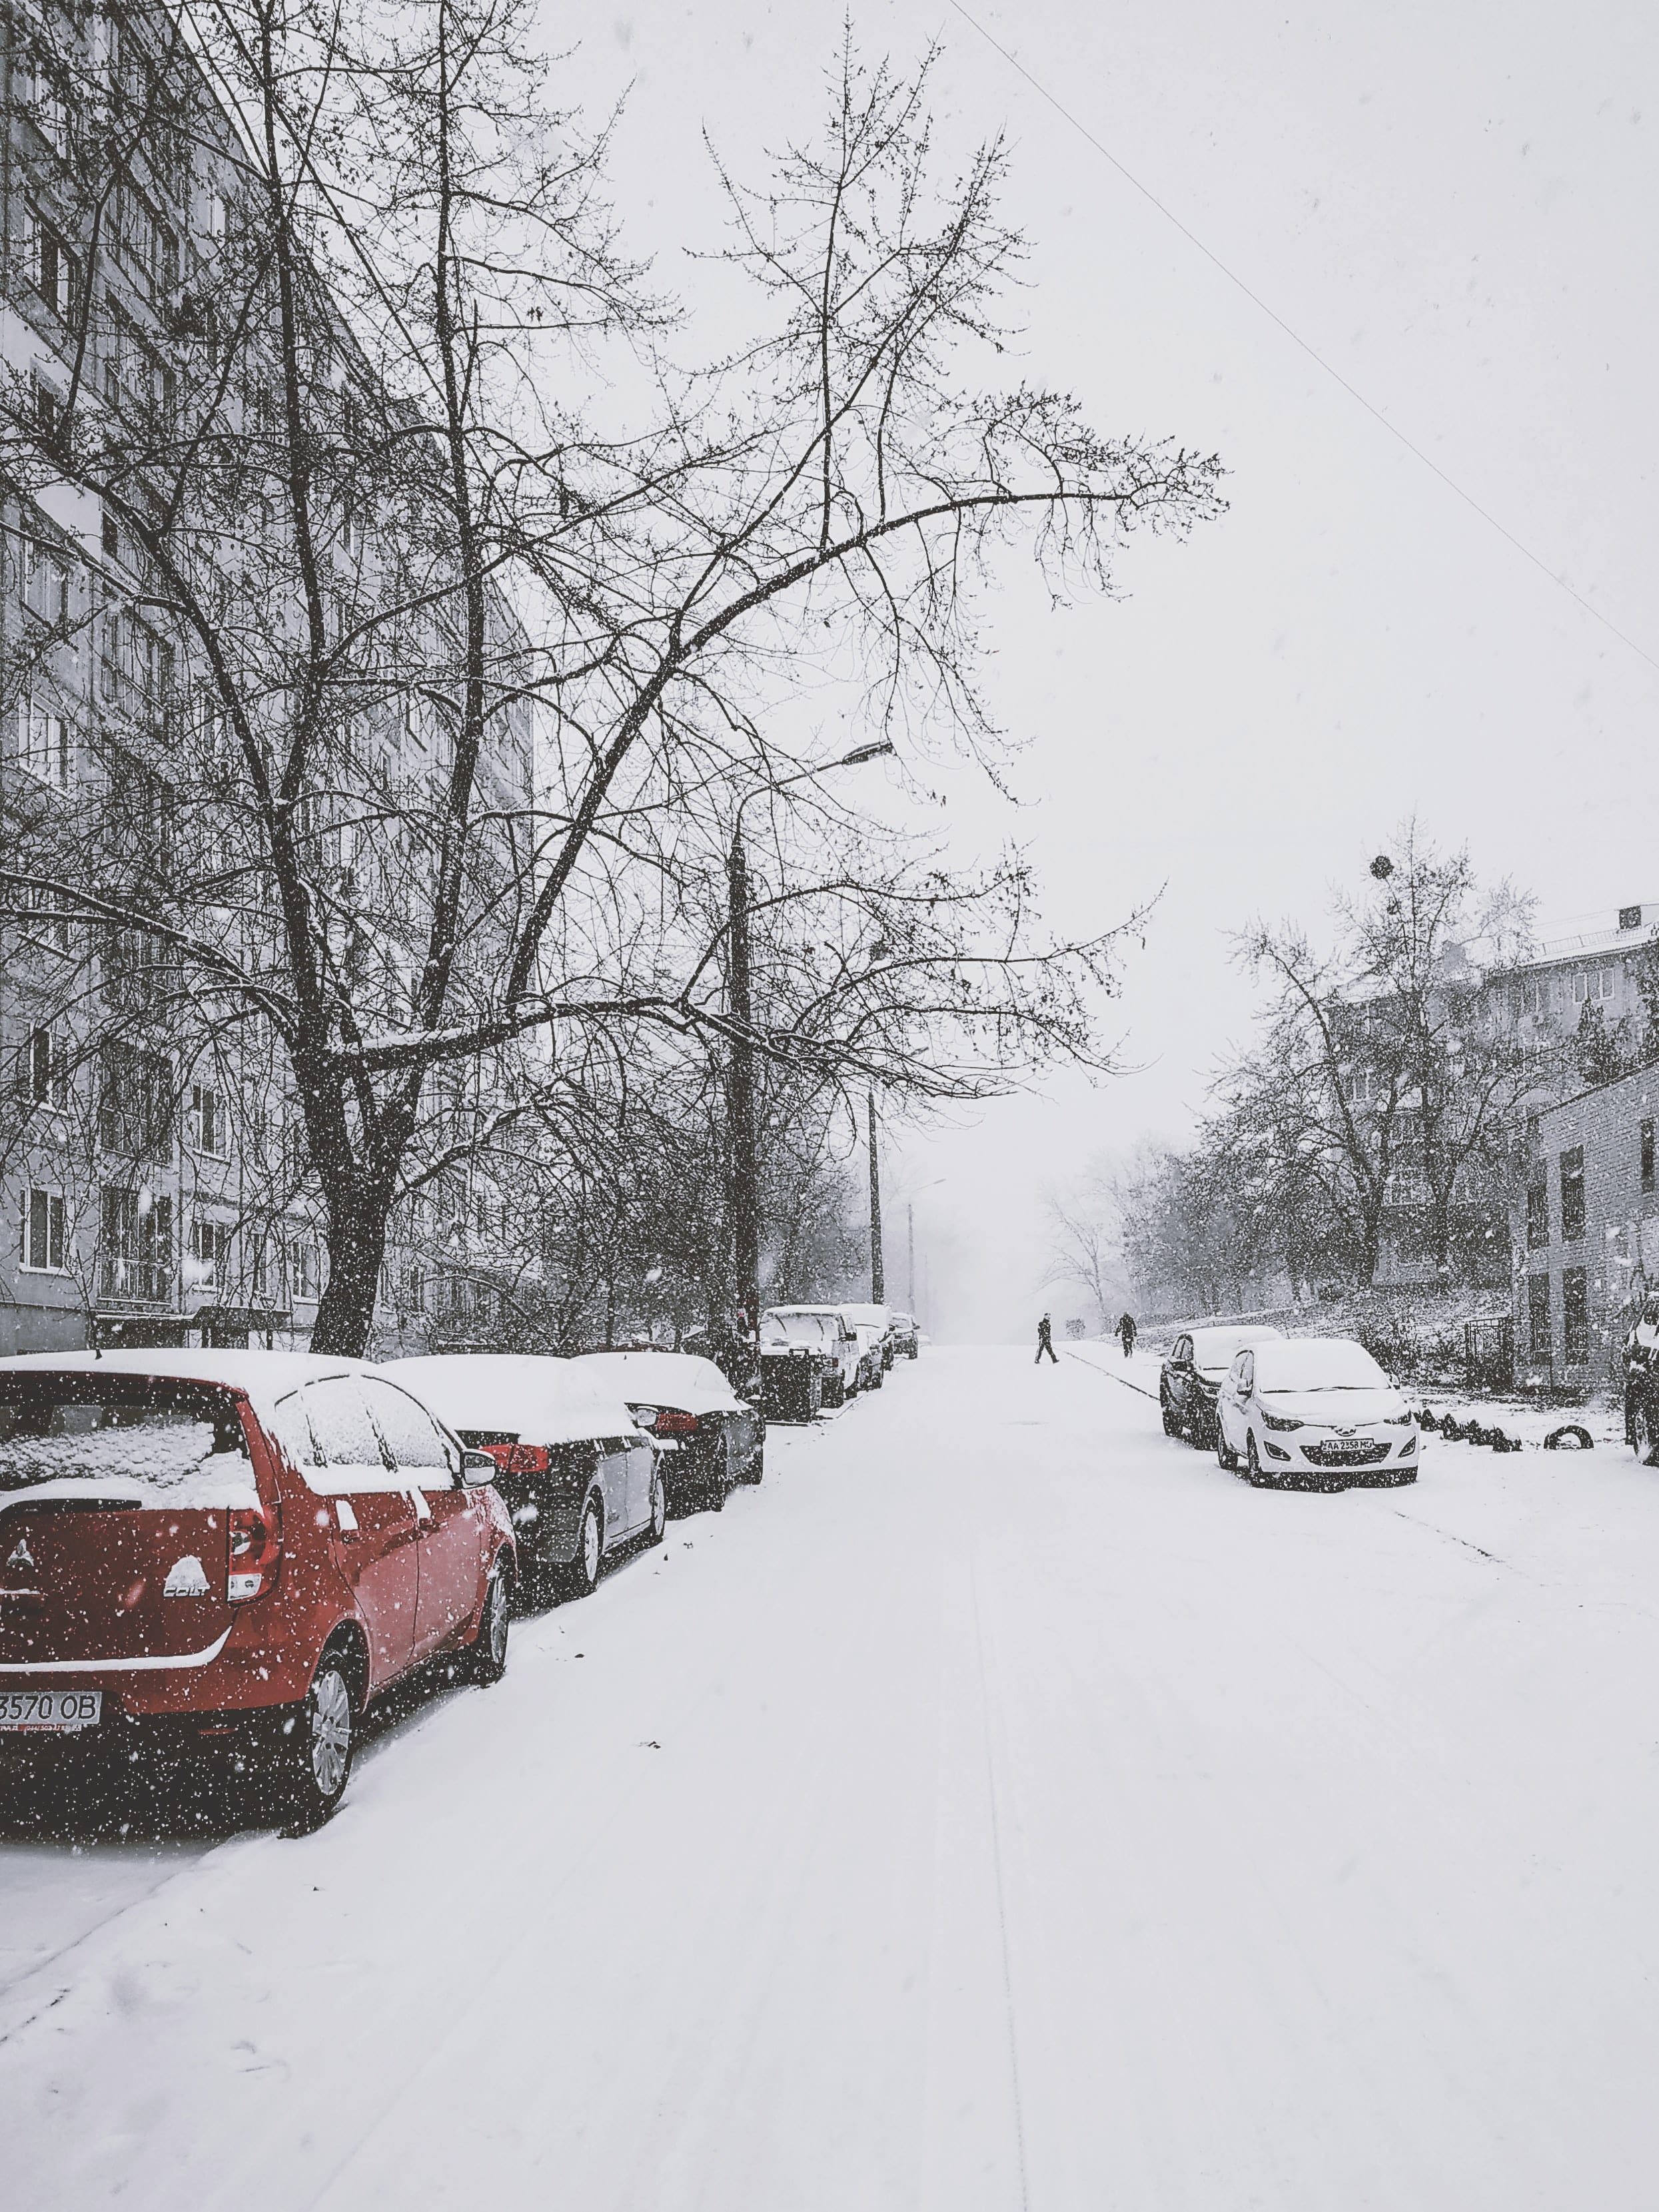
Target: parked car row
{"type": "Point", "coordinates": [815, 1357]}
{"type": "Point", "coordinates": [1308, 1413]}
{"type": "Point", "coordinates": [245, 1550]}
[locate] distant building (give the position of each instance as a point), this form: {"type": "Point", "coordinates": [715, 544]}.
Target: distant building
{"type": "Point", "coordinates": [1548, 995]}
{"type": "Point", "coordinates": [1586, 1229]}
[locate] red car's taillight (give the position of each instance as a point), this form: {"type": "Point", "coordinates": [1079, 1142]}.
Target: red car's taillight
{"type": "Point", "coordinates": [519, 1459]}
{"type": "Point", "coordinates": [255, 1549]}
{"type": "Point", "coordinates": [671, 1422]}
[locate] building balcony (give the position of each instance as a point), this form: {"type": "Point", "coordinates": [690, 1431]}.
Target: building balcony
{"type": "Point", "coordinates": [134, 1286]}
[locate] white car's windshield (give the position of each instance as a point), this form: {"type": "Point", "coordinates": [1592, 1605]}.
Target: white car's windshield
{"type": "Point", "coordinates": [1318, 1363]}
{"type": "Point", "coordinates": [792, 1328]}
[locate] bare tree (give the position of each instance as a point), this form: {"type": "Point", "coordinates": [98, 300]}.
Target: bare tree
{"type": "Point", "coordinates": [345, 521]}
{"type": "Point", "coordinates": [1086, 1229]}
{"type": "Point", "coordinates": [1386, 1071]}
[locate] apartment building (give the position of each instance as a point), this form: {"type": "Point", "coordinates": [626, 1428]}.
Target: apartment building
{"type": "Point", "coordinates": [1546, 996]}
{"type": "Point", "coordinates": [1586, 1229]}
{"type": "Point", "coordinates": [154, 1185]}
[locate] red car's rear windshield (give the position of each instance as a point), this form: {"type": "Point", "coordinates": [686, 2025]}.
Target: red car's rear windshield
{"type": "Point", "coordinates": [175, 1438]}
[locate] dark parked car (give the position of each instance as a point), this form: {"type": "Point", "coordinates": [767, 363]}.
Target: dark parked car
{"type": "Point", "coordinates": [709, 1437]}
{"type": "Point", "coordinates": [1193, 1373]}
{"type": "Point", "coordinates": [241, 1550]}
{"type": "Point", "coordinates": [579, 1477]}
{"type": "Point", "coordinates": [906, 1336]}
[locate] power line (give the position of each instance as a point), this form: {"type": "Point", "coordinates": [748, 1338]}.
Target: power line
{"type": "Point", "coordinates": [1296, 339]}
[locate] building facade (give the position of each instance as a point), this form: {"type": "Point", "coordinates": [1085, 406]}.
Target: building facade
{"type": "Point", "coordinates": [151, 1165]}
{"type": "Point", "coordinates": [1585, 1230]}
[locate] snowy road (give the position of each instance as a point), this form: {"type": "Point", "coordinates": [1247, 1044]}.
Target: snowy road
{"type": "Point", "coordinates": [999, 1808]}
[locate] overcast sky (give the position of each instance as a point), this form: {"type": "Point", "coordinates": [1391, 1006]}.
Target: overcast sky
{"type": "Point", "coordinates": [1455, 206]}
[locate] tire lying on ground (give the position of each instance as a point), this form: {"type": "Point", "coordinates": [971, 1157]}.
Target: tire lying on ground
{"type": "Point", "coordinates": [1570, 1436]}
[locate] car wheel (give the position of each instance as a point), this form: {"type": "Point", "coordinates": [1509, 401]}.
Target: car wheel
{"type": "Point", "coordinates": [1171, 1419]}
{"type": "Point", "coordinates": [487, 1655]}
{"type": "Point", "coordinates": [1253, 1465]}
{"type": "Point", "coordinates": [315, 1747]}
{"type": "Point", "coordinates": [659, 1520]}
{"type": "Point", "coordinates": [1226, 1458]}
{"type": "Point", "coordinates": [1642, 1433]}
{"type": "Point", "coordinates": [582, 1575]}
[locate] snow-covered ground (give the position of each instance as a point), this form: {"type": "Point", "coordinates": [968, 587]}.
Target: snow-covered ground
{"type": "Point", "coordinates": [1000, 1807]}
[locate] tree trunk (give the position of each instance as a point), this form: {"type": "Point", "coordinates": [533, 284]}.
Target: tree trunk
{"type": "Point", "coordinates": [356, 1248]}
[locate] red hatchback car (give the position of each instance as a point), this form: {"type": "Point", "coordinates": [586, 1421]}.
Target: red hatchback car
{"type": "Point", "coordinates": [247, 1547]}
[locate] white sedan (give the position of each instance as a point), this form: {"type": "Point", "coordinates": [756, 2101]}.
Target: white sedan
{"type": "Point", "coordinates": [1313, 1412]}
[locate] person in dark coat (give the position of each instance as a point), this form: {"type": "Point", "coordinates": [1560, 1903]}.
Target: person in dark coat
{"type": "Point", "coordinates": [1126, 1331]}
{"type": "Point", "coordinates": [1045, 1343]}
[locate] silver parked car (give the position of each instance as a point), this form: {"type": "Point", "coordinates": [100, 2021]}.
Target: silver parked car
{"type": "Point", "coordinates": [578, 1475]}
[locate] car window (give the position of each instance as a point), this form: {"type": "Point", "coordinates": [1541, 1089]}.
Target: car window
{"type": "Point", "coordinates": [1183, 1352]}
{"type": "Point", "coordinates": [1244, 1371]}
{"type": "Point", "coordinates": [288, 1424]}
{"type": "Point", "coordinates": [349, 1449]}
{"type": "Point", "coordinates": [412, 1436]}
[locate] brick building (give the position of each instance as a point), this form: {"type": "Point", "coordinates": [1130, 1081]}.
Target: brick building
{"type": "Point", "coordinates": [1586, 1229]}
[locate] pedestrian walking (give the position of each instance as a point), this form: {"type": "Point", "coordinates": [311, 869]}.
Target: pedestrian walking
{"type": "Point", "coordinates": [1045, 1343]}
{"type": "Point", "coordinates": [1126, 1331]}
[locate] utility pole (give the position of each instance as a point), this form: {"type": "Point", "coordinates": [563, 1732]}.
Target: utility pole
{"type": "Point", "coordinates": [878, 1288]}
{"type": "Point", "coordinates": [744, 1149]}
{"type": "Point", "coordinates": [742, 1136]}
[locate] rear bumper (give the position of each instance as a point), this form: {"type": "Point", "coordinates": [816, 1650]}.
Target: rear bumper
{"type": "Point", "coordinates": [250, 1668]}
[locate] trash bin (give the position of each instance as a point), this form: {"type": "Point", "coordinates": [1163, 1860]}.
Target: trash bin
{"type": "Point", "coordinates": [791, 1385]}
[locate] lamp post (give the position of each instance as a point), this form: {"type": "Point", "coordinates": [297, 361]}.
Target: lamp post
{"type": "Point", "coordinates": [742, 1132]}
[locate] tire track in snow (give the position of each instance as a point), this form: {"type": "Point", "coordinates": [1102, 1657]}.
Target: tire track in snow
{"type": "Point", "coordinates": [991, 1794]}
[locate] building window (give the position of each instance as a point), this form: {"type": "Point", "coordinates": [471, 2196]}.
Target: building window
{"type": "Point", "coordinates": [136, 1247]}
{"type": "Point", "coordinates": [305, 1273]}
{"type": "Point", "coordinates": [1576, 1314]}
{"type": "Point", "coordinates": [45, 583]}
{"type": "Point", "coordinates": [1538, 1215]}
{"type": "Point", "coordinates": [1572, 1195]}
{"type": "Point", "coordinates": [58, 274]}
{"type": "Point", "coordinates": [1646, 1147]}
{"type": "Point", "coordinates": [1537, 1315]}
{"type": "Point", "coordinates": [210, 1131]}
{"type": "Point", "coordinates": [43, 746]}
{"type": "Point", "coordinates": [210, 1254]}
{"type": "Point", "coordinates": [46, 1243]}
{"type": "Point", "coordinates": [44, 1073]}
{"type": "Point", "coordinates": [134, 1102]}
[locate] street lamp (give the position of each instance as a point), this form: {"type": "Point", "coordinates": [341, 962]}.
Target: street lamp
{"type": "Point", "coordinates": [742, 1135]}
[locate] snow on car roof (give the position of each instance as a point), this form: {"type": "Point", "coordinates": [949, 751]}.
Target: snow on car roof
{"type": "Point", "coordinates": [1317, 1363]}
{"type": "Point", "coordinates": [1214, 1348]}
{"type": "Point", "coordinates": [871, 1316]}
{"type": "Point", "coordinates": [543, 1400]}
{"type": "Point", "coordinates": [263, 1377]}
{"type": "Point", "coordinates": [680, 1379]}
